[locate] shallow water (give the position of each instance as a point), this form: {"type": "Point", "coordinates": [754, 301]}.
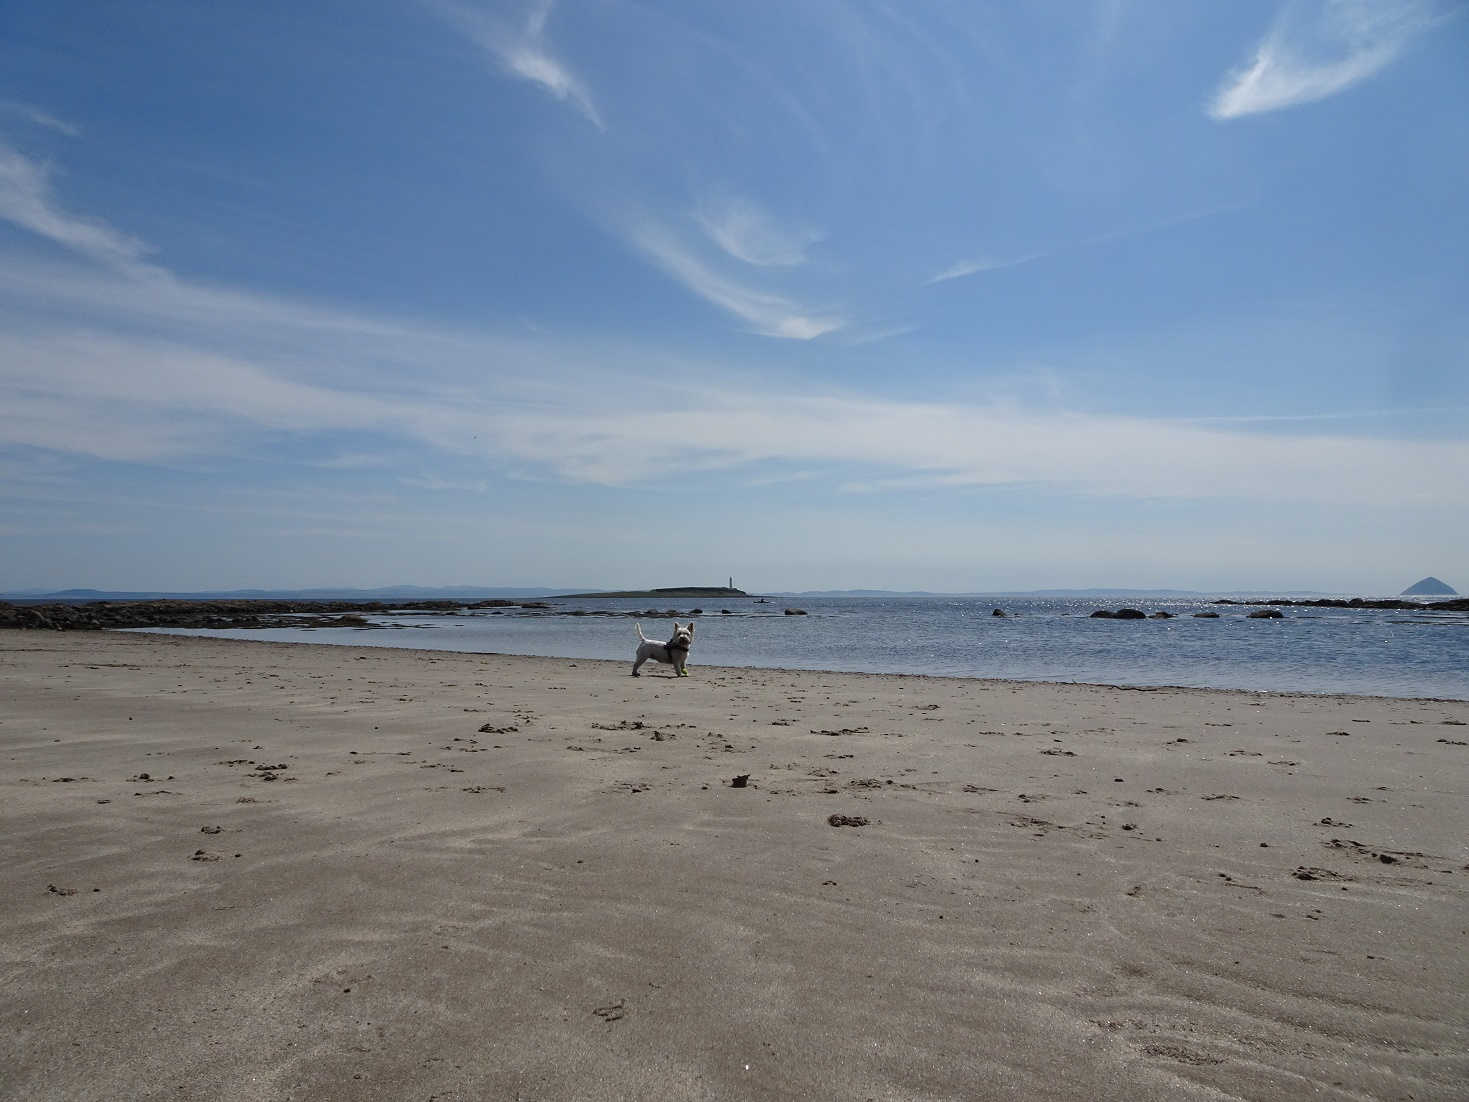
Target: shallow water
{"type": "Point", "coordinates": [1314, 650]}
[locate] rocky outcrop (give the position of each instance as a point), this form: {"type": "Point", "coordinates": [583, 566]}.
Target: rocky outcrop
{"type": "Point", "coordinates": [1267, 614]}
{"type": "Point", "coordinates": [1460, 604]}
{"type": "Point", "coordinates": [99, 615]}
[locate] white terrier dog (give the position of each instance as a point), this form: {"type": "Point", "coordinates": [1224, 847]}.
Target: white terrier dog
{"type": "Point", "coordinates": [675, 652]}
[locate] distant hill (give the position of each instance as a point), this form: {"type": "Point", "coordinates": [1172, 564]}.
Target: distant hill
{"type": "Point", "coordinates": [864, 593]}
{"type": "Point", "coordinates": [1430, 587]}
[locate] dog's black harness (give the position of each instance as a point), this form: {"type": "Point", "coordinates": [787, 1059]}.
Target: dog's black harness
{"type": "Point", "coordinates": [670, 648]}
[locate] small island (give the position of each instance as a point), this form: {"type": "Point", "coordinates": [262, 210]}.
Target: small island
{"type": "Point", "coordinates": [1430, 587]}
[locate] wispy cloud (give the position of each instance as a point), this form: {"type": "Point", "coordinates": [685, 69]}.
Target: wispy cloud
{"type": "Point", "coordinates": [353, 461]}
{"type": "Point", "coordinates": [27, 200]}
{"type": "Point", "coordinates": [522, 51]}
{"type": "Point", "coordinates": [133, 367]}
{"type": "Point", "coordinates": [1319, 48]}
{"type": "Point", "coordinates": [747, 232]}
{"type": "Point", "coordinates": [37, 117]}
{"type": "Point", "coordinates": [961, 268]}
{"type": "Point", "coordinates": [770, 314]}
{"type": "Point", "coordinates": [880, 333]}
{"type": "Point", "coordinates": [116, 396]}
{"type": "Point", "coordinates": [938, 446]}
{"type": "Point", "coordinates": [443, 485]}
{"type": "Point", "coordinates": [1336, 415]}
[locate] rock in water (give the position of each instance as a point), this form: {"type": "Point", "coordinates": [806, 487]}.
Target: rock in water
{"type": "Point", "coordinates": [1430, 587]}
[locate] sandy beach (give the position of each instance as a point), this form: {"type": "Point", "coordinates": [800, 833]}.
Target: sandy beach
{"type": "Point", "coordinates": [239, 870]}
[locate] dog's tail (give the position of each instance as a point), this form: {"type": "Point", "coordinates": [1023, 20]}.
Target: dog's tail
{"type": "Point", "coordinates": [640, 632]}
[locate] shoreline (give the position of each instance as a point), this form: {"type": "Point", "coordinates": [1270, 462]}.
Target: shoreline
{"type": "Point", "coordinates": [249, 613]}
{"type": "Point", "coordinates": [617, 662]}
{"type": "Point", "coordinates": [319, 871]}
{"type": "Point", "coordinates": [1317, 650]}
{"type": "Point", "coordinates": [623, 664]}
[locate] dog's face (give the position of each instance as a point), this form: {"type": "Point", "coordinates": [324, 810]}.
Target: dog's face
{"type": "Point", "coordinates": [682, 636]}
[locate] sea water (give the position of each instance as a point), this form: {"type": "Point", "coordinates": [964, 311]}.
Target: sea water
{"type": "Point", "coordinates": [1312, 650]}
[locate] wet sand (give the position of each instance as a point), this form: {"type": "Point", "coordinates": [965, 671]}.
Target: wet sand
{"type": "Point", "coordinates": [235, 870]}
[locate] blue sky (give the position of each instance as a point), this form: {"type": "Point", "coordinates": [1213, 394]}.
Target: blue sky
{"type": "Point", "coordinates": [814, 293]}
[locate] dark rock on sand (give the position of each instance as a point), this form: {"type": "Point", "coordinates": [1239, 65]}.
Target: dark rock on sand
{"type": "Point", "coordinates": [347, 620]}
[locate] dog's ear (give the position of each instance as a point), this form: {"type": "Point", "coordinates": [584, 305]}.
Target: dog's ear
{"type": "Point", "coordinates": [691, 629]}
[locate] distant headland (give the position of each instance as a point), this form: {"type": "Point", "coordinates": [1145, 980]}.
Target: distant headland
{"type": "Point", "coordinates": [673, 591]}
